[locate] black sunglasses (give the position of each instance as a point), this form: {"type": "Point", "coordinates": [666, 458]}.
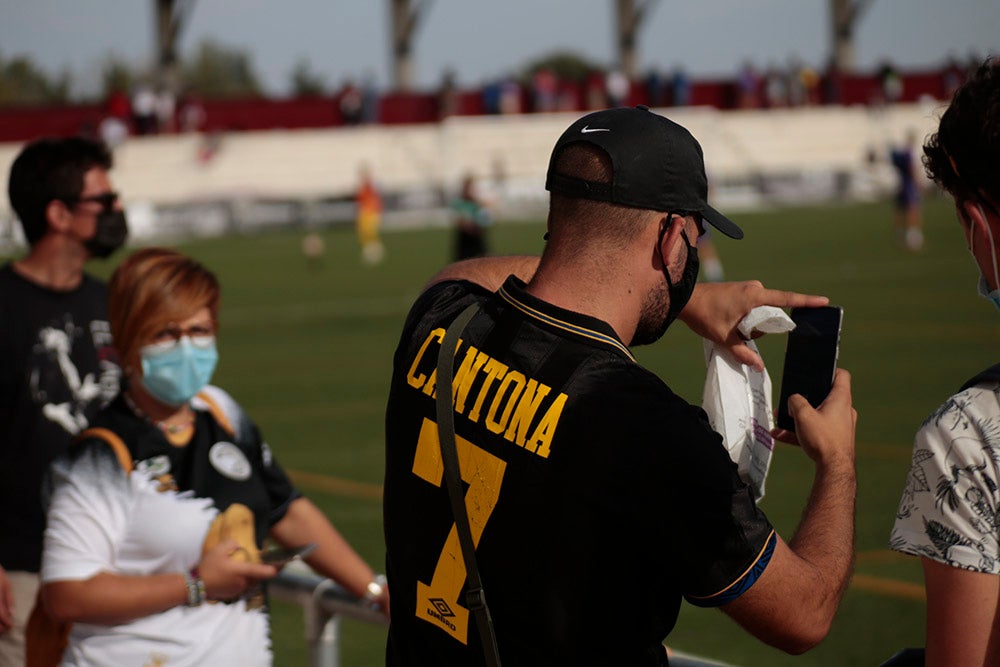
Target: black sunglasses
{"type": "Point", "coordinates": [106, 199]}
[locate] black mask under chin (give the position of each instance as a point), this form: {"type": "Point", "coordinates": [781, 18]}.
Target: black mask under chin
{"type": "Point", "coordinates": [681, 293]}
{"type": "Point", "coordinates": [111, 232]}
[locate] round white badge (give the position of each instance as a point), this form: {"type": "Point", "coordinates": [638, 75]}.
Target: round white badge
{"type": "Point", "coordinates": [154, 467]}
{"type": "Point", "coordinates": [230, 461]}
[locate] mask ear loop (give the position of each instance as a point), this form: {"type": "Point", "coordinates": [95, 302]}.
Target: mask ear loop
{"type": "Point", "coordinates": [659, 249]}
{"type": "Point", "coordinates": [993, 250]}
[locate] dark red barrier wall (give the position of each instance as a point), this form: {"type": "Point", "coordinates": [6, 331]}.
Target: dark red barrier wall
{"type": "Point", "coordinates": [25, 123]}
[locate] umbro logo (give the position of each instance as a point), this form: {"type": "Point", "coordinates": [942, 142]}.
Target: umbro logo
{"type": "Point", "coordinates": [441, 607]}
{"type": "Point", "coordinates": [441, 613]}
{"type": "Point", "coordinates": [588, 129]}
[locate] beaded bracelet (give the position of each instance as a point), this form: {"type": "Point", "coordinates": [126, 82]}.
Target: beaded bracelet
{"type": "Point", "coordinates": [195, 588]}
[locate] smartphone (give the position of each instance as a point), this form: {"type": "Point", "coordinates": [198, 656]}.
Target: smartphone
{"type": "Point", "coordinates": [281, 555]}
{"type": "Point", "coordinates": [810, 358]}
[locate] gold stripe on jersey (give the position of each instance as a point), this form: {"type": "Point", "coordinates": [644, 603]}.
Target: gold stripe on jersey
{"type": "Point", "coordinates": [739, 580]}
{"type": "Point", "coordinates": [487, 391]}
{"type": "Point", "coordinates": [566, 326]}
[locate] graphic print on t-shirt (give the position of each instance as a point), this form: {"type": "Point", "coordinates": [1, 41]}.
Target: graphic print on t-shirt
{"type": "Point", "coordinates": [55, 381]}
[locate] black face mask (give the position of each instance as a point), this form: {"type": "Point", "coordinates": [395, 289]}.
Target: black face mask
{"type": "Point", "coordinates": [111, 232]}
{"type": "Point", "coordinates": [649, 330]}
{"type": "Point", "coordinates": [681, 293]}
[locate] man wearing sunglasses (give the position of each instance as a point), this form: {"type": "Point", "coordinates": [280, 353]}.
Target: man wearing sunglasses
{"type": "Point", "coordinates": [57, 366]}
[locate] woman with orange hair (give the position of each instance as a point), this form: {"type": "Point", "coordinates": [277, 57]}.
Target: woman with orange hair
{"type": "Point", "coordinates": [163, 505]}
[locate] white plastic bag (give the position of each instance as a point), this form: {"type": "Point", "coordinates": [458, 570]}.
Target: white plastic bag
{"type": "Point", "coordinates": [737, 399]}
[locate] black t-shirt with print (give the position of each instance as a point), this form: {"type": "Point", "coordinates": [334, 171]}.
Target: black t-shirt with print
{"type": "Point", "coordinates": [229, 463]}
{"type": "Point", "coordinates": [57, 369]}
{"type": "Point", "coordinates": [598, 498]}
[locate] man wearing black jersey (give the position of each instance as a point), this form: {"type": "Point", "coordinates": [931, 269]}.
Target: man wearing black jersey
{"type": "Point", "coordinates": [57, 366]}
{"type": "Point", "coordinates": [597, 497]}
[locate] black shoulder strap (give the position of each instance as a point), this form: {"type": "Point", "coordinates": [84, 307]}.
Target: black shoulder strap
{"type": "Point", "coordinates": [475, 596]}
{"type": "Point", "coordinates": [990, 374]}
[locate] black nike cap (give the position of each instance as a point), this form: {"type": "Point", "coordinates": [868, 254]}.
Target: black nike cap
{"type": "Point", "coordinates": [658, 165]}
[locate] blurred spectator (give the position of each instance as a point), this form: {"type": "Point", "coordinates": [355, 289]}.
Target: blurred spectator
{"type": "Point", "coordinates": [655, 88]}
{"type": "Point", "coordinates": [369, 99]}
{"type": "Point", "coordinates": [113, 128]}
{"type": "Point", "coordinates": [472, 218]}
{"type": "Point", "coordinates": [144, 110]}
{"type": "Point", "coordinates": [618, 87]}
{"type": "Point", "coordinates": [510, 96]}
{"type": "Point", "coordinates": [890, 83]}
{"type": "Point", "coordinates": [908, 217]}
{"type": "Point", "coordinates": [491, 97]}
{"type": "Point", "coordinates": [166, 106]}
{"type": "Point", "coordinates": [810, 83]}
{"type": "Point", "coordinates": [369, 218]}
{"type": "Point", "coordinates": [544, 89]}
{"type": "Point", "coordinates": [680, 88]}
{"type": "Point", "coordinates": [831, 83]}
{"type": "Point", "coordinates": [593, 90]}
{"type": "Point", "coordinates": [711, 264]}
{"type": "Point", "coordinates": [350, 102]}
{"type": "Point", "coordinates": [112, 131]}
{"type": "Point", "coordinates": [794, 84]}
{"type": "Point", "coordinates": [748, 87]}
{"type": "Point", "coordinates": [447, 97]}
{"type": "Point", "coordinates": [569, 98]}
{"type": "Point", "coordinates": [775, 88]}
{"type": "Point", "coordinates": [117, 105]}
{"type": "Point", "coordinates": [191, 115]}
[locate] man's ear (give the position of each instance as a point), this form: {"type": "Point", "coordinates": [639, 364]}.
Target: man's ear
{"type": "Point", "coordinates": [57, 216]}
{"type": "Point", "coordinates": [672, 240]}
{"type": "Point", "coordinates": [976, 216]}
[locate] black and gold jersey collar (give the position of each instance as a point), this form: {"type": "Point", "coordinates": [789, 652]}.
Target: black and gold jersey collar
{"type": "Point", "coordinates": [513, 293]}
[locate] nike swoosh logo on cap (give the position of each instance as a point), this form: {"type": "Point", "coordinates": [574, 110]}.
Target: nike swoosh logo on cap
{"type": "Point", "coordinates": [587, 129]}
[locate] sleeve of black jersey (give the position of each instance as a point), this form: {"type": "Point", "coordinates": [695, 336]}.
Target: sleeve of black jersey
{"type": "Point", "coordinates": [440, 298]}
{"type": "Point", "coordinates": [728, 541]}
{"type": "Point", "coordinates": [708, 525]}
{"type": "Point", "coordinates": [280, 489]}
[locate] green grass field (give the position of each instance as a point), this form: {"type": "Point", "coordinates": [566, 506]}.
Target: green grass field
{"type": "Point", "coordinates": [308, 349]}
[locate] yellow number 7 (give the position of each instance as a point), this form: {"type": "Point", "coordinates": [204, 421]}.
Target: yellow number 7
{"type": "Point", "coordinates": [437, 602]}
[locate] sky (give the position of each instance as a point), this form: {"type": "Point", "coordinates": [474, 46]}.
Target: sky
{"type": "Point", "coordinates": [480, 39]}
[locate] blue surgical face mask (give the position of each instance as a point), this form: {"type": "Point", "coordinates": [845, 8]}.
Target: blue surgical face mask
{"type": "Point", "coordinates": [983, 288]}
{"type": "Point", "coordinates": [175, 371]}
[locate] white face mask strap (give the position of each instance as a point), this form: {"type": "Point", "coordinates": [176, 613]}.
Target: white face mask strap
{"type": "Point", "coordinates": [993, 250]}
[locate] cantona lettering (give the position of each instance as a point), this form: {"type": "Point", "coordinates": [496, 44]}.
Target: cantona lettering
{"type": "Point", "coordinates": [520, 409]}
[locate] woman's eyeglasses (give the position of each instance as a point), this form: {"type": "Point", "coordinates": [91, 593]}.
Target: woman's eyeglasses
{"type": "Point", "coordinates": [170, 337]}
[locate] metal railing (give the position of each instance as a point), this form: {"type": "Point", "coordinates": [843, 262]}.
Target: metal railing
{"type": "Point", "coordinates": [323, 604]}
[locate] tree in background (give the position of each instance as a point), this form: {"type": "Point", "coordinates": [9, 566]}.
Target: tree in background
{"type": "Point", "coordinates": [24, 83]}
{"type": "Point", "coordinates": [218, 71]}
{"type": "Point", "coordinates": [118, 75]}
{"type": "Point", "coordinates": [305, 82]}
{"type": "Point", "coordinates": [566, 65]}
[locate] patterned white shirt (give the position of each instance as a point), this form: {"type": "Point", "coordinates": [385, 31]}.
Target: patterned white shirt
{"type": "Point", "coordinates": [950, 509]}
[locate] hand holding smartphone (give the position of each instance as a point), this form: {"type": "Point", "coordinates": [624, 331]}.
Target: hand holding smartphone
{"type": "Point", "coordinates": [810, 358]}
